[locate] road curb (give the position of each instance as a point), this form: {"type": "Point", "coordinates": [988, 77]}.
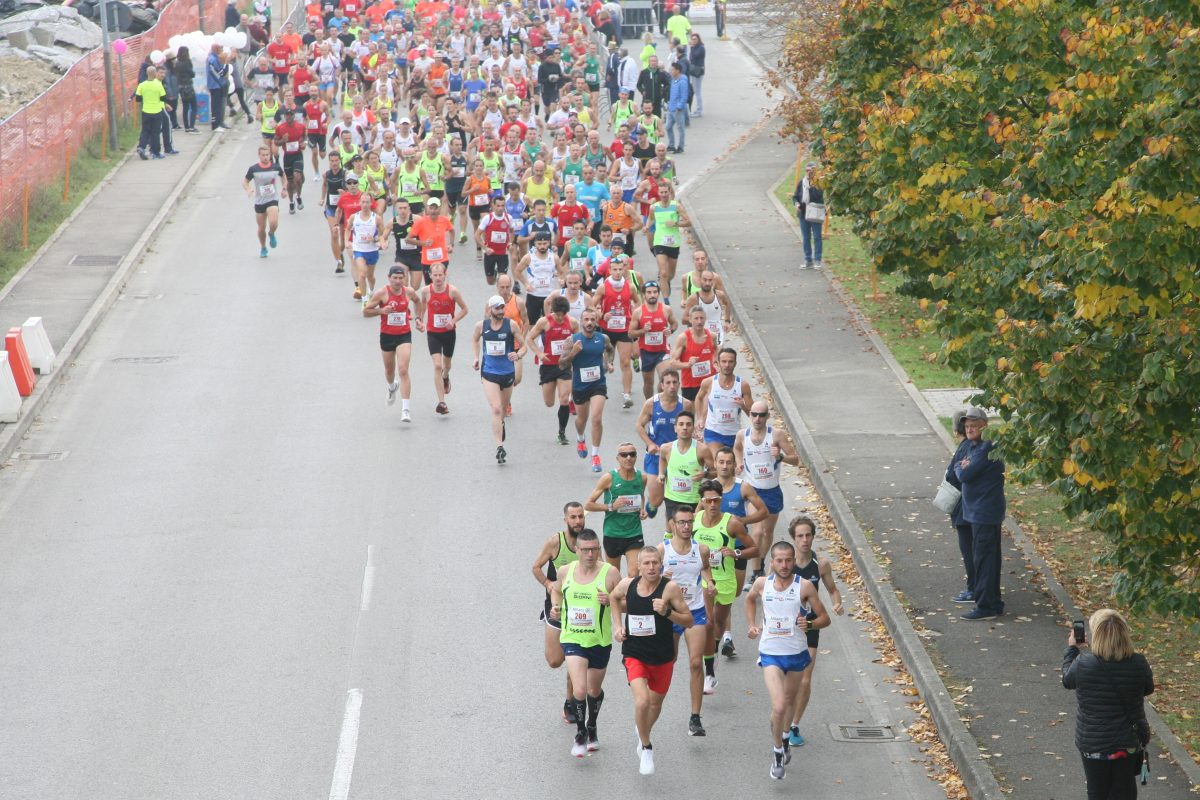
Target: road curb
{"type": "Point", "coordinates": [1169, 741]}
{"type": "Point", "coordinates": [14, 432]}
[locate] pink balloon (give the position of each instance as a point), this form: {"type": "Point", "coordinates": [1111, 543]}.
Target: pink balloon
{"type": "Point", "coordinates": [120, 47]}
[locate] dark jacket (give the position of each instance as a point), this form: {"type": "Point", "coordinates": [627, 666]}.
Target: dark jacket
{"type": "Point", "coordinates": [982, 483]}
{"type": "Point", "coordinates": [612, 70]}
{"type": "Point", "coordinates": [1109, 698]}
{"type": "Point", "coordinates": [956, 516]}
{"type": "Point", "coordinates": [655, 87]}
{"type": "Point", "coordinates": [232, 16]}
{"type": "Point", "coordinates": [696, 59]}
{"type": "Point", "coordinates": [815, 195]}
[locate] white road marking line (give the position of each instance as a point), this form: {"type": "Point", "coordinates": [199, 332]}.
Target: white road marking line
{"type": "Point", "coordinates": [368, 579]}
{"type": "Point", "coordinates": [347, 747]}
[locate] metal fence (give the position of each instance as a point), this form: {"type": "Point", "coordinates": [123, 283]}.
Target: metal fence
{"type": "Point", "coordinates": [37, 141]}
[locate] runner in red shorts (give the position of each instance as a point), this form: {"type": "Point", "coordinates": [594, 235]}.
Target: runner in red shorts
{"type": "Point", "coordinates": [653, 604]}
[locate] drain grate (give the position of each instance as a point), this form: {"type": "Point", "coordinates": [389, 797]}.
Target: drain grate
{"type": "Point", "coordinates": [863, 733]}
{"type": "Point", "coordinates": [59, 456]}
{"type": "Point", "coordinates": [144, 359]}
{"type": "Point", "coordinates": [82, 260]}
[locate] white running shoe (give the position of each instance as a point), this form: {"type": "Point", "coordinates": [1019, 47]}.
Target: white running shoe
{"type": "Point", "coordinates": [776, 766]}
{"type": "Point", "coordinates": [627, 401]}
{"type": "Point", "coordinates": [391, 395]}
{"type": "Point", "coordinates": [647, 759]}
{"type": "Point", "coordinates": [710, 684]}
{"type": "Point", "coordinates": [405, 416]}
{"type": "Point", "coordinates": [579, 748]}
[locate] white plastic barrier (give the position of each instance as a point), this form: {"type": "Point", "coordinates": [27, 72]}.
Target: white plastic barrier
{"type": "Point", "coordinates": [10, 398]}
{"type": "Point", "coordinates": [37, 345]}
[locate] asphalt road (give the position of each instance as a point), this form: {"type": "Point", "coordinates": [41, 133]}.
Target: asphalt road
{"type": "Point", "coordinates": [243, 576]}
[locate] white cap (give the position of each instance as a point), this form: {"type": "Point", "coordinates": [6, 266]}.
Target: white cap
{"type": "Point", "coordinates": [495, 301]}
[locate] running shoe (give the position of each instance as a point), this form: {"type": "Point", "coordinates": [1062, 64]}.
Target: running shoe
{"type": "Point", "coordinates": [593, 741]}
{"type": "Point", "coordinates": [446, 383]}
{"type": "Point", "coordinates": [462, 238]}
{"type": "Point", "coordinates": [358, 293]}
{"type": "Point", "coordinates": [442, 408]}
{"type": "Point", "coordinates": [710, 684]}
{"type": "Point", "coordinates": [636, 363]}
{"type": "Point", "coordinates": [338, 269]}
{"type": "Point", "coordinates": [501, 454]}
{"type": "Point", "coordinates": [562, 437]}
{"type": "Point", "coordinates": [157, 156]}
{"type": "Point", "coordinates": [405, 416]}
{"type": "Point", "coordinates": [262, 253]}
{"type": "Point", "coordinates": [579, 748]}
{"type": "Point", "coordinates": [172, 152]}
{"type": "Point", "coordinates": [596, 464]}
{"type": "Point", "coordinates": [695, 728]}
{"type": "Point", "coordinates": [581, 449]}
{"type": "Point", "coordinates": [776, 766]}
{"type": "Point", "coordinates": [568, 712]}
{"type": "Point", "coordinates": [965, 596]}
{"type": "Point", "coordinates": [794, 738]}
{"type": "Point", "coordinates": [787, 750]}
{"type": "Point", "coordinates": [272, 240]}
{"type": "Point", "coordinates": [300, 203]}
{"type": "Point", "coordinates": [291, 208]}
{"type": "Point", "coordinates": [391, 393]}
{"type": "Point", "coordinates": [646, 761]}
{"type": "Point", "coordinates": [142, 154]}
{"type": "Point", "coordinates": [626, 401]}
{"type": "Point", "coordinates": [727, 648]}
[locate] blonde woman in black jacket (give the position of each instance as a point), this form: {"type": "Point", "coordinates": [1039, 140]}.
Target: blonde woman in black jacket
{"type": "Point", "coordinates": [1110, 723]}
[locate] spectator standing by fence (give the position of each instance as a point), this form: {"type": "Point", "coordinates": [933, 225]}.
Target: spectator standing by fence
{"type": "Point", "coordinates": [216, 76]}
{"type": "Point", "coordinates": [151, 95]}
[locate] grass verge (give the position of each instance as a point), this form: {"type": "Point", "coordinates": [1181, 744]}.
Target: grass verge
{"type": "Point", "coordinates": [48, 209]}
{"type": "Point", "coordinates": [1069, 547]}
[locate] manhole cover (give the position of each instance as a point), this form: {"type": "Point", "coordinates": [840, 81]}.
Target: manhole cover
{"type": "Point", "coordinates": [94, 261]}
{"type": "Point", "coordinates": [144, 359]}
{"type": "Point", "coordinates": [863, 733]}
{"type": "Point", "coordinates": [42, 456]}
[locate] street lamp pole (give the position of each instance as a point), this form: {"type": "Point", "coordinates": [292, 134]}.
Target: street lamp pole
{"type": "Point", "coordinates": [109, 91]}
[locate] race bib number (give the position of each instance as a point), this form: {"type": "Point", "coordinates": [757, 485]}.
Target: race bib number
{"type": "Point", "coordinates": [681, 484]}
{"type": "Point", "coordinates": [540, 282]}
{"type": "Point", "coordinates": [582, 618]}
{"type": "Point", "coordinates": [312, 124]}
{"type": "Point", "coordinates": [689, 592]}
{"type": "Point", "coordinates": [589, 374]}
{"type": "Point", "coordinates": [715, 557]}
{"type": "Point", "coordinates": [701, 369]}
{"type": "Point", "coordinates": [499, 237]}
{"type": "Point", "coordinates": [670, 240]}
{"type": "Point", "coordinates": [493, 347]}
{"type": "Point", "coordinates": [763, 471]}
{"type": "Point", "coordinates": [436, 254]}
{"type": "Point", "coordinates": [442, 320]}
{"type": "Point", "coordinates": [557, 348]}
{"type": "Point", "coordinates": [627, 504]}
{"type": "Point", "coordinates": [714, 328]}
{"type": "Point", "coordinates": [292, 147]}
{"type": "Point", "coordinates": [473, 98]}
{"type": "Point", "coordinates": [570, 179]}
{"type": "Point", "coordinates": [280, 63]}
{"type": "Point", "coordinates": [408, 188]}
{"type": "Point", "coordinates": [268, 192]}
{"type": "Point", "coordinates": [780, 626]}
{"type": "Point", "coordinates": [617, 322]}
{"type": "Point", "coordinates": [579, 264]}
{"type": "Point", "coordinates": [365, 238]}
{"type": "Point", "coordinates": [591, 77]}
{"type": "Point", "coordinates": [726, 415]}
{"type": "Point", "coordinates": [641, 624]}
{"type": "Point", "coordinates": [479, 199]}
{"type": "Point", "coordinates": [459, 172]}
{"type": "Point", "coordinates": [397, 319]}
{"type": "Point", "coordinates": [302, 88]}
{"type": "Point", "coordinates": [654, 338]}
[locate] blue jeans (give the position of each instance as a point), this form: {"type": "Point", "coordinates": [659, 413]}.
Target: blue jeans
{"type": "Point", "coordinates": [810, 232]}
{"type": "Point", "coordinates": [676, 119]}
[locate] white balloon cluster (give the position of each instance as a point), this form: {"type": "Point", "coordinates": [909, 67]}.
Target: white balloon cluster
{"type": "Point", "coordinates": [200, 44]}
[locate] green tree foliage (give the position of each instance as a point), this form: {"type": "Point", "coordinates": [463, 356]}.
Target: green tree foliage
{"type": "Point", "coordinates": [1031, 169]}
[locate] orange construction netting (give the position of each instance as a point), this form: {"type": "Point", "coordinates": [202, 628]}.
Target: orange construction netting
{"type": "Point", "coordinates": [35, 141]}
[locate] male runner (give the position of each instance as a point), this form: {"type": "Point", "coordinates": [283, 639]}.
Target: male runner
{"type": "Point", "coordinates": [787, 600]}
{"type": "Point", "coordinates": [408, 255]}
{"type": "Point", "coordinates": [694, 353]}
{"type": "Point", "coordinates": [555, 330]}
{"type": "Point", "coordinates": [721, 401]}
{"type": "Point", "coordinates": [556, 553]}
{"type": "Point", "coordinates": [590, 359]}
{"type": "Point", "coordinates": [502, 348]}
{"type": "Point", "coordinates": [538, 273]}
{"type": "Point", "coordinates": [615, 297]}
{"type": "Point", "coordinates": [262, 183]}
{"type": "Point", "coordinates": [290, 138]}
{"type": "Point", "coordinates": [624, 493]}
{"type": "Point", "coordinates": [580, 599]}
{"type": "Point", "coordinates": [760, 449]}
{"type": "Point", "coordinates": [687, 562]}
{"type": "Point", "coordinates": [368, 233]}
{"type": "Point", "coordinates": [440, 299]}
{"type": "Point", "coordinates": [333, 185]}
{"type": "Point", "coordinates": [715, 304]}
{"type": "Point", "coordinates": [682, 465]}
{"type": "Point", "coordinates": [435, 234]}
{"type": "Point", "coordinates": [691, 281]}
{"type": "Point", "coordinates": [646, 610]}
{"type": "Point", "coordinates": [651, 326]}
{"type": "Point", "coordinates": [817, 569]}
{"type": "Point", "coordinates": [656, 427]}
{"type": "Point", "coordinates": [496, 235]}
{"type": "Point", "coordinates": [741, 500]}
{"type": "Point", "coordinates": [397, 306]}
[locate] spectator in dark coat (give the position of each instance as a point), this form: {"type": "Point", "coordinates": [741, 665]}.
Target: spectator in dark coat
{"type": "Point", "coordinates": [696, 55]}
{"type": "Point", "coordinates": [1111, 730]}
{"type": "Point", "coordinates": [185, 75]}
{"type": "Point", "coordinates": [655, 85]}
{"type": "Point", "coordinates": [232, 15]}
{"type": "Point", "coordinates": [963, 527]}
{"type": "Point", "coordinates": [982, 479]}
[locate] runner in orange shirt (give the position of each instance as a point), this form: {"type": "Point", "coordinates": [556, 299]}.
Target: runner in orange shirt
{"type": "Point", "coordinates": [435, 233]}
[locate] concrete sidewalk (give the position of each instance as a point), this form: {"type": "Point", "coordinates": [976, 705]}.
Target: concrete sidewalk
{"type": "Point", "coordinates": [874, 453]}
{"type": "Point", "coordinates": [81, 270]}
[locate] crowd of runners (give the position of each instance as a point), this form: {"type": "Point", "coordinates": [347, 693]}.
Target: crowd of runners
{"type": "Point", "coordinates": [525, 136]}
